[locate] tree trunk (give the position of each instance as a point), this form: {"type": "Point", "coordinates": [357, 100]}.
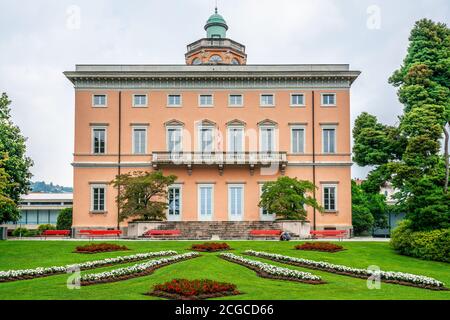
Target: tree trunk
{"type": "Point", "coordinates": [446, 158]}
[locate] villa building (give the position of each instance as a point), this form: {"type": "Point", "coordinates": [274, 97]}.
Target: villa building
{"type": "Point", "coordinates": [222, 126]}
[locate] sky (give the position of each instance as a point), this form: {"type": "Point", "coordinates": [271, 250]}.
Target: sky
{"type": "Point", "coordinates": [41, 39]}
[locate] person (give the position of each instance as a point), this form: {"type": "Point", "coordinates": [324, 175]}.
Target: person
{"type": "Point", "coordinates": [285, 236]}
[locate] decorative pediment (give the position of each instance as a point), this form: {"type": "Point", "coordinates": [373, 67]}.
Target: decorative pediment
{"type": "Point", "coordinates": [236, 122]}
{"type": "Point", "coordinates": [174, 122]}
{"type": "Point", "coordinates": [206, 122]}
{"type": "Point", "coordinates": [267, 122]}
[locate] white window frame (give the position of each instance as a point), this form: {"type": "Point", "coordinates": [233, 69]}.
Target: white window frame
{"type": "Point", "coordinates": [199, 206]}
{"type": "Point", "coordinates": [229, 129]}
{"type": "Point", "coordinates": [275, 135]}
{"type": "Point", "coordinates": [98, 186]}
{"type": "Point", "coordinates": [132, 139]}
{"type": "Point", "coordinates": [174, 105]}
{"type": "Point", "coordinates": [176, 127]}
{"type": "Point", "coordinates": [297, 94]}
{"type": "Point", "coordinates": [241, 216]}
{"type": "Point", "coordinates": [268, 216]}
{"type": "Point", "coordinates": [330, 185]}
{"type": "Point", "coordinates": [179, 217]}
{"type": "Point", "coordinates": [209, 105]}
{"type": "Point", "coordinates": [266, 105]}
{"type": "Point", "coordinates": [199, 137]}
{"type": "Point", "coordinates": [99, 105]}
{"type": "Point", "coordinates": [235, 105]}
{"type": "Point", "coordinates": [329, 127]}
{"type": "Point", "coordinates": [93, 128]}
{"type": "Point", "coordinates": [327, 104]}
{"type": "Point", "coordinates": [140, 105]}
{"type": "Point", "coordinates": [298, 127]}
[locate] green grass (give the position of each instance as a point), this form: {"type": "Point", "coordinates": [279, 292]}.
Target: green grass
{"type": "Point", "coordinates": [31, 254]}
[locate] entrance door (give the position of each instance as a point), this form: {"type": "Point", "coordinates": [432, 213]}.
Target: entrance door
{"type": "Point", "coordinates": [174, 207]}
{"type": "Point", "coordinates": [235, 202]}
{"type": "Point", "coordinates": [265, 215]}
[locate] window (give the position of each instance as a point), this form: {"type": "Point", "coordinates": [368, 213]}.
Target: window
{"type": "Point", "coordinates": [99, 140]}
{"type": "Point", "coordinates": [174, 139]}
{"type": "Point", "coordinates": [99, 100]}
{"type": "Point", "coordinates": [264, 214]}
{"type": "Point", "coordinates": [174, 100]}
{"type": "Point", "coordinates": [32, 217]}
{"type": "Point", "coordinates": [235, 202]}
{"type": "Point", "coordinates": [329, 140]}
{"type": "Point", "coordinates": [297, 140]}
{"type": "Point", "coordinates": [235, 139]}
{"type": "Point", "coordinates": [235, 100]}
{"type": "Point", "coordinates": [174, 206]}
{"type": "Point", "coordinates": [140, 100]}
{"type": "Point", "coordinates": [328, 99]}
{"type": "Point", "coordinates": [98, 198]}
{"type": "Point", "coordinates": [267, 139]}
{"type": "Point", "coordinates": [297, 99]}
{"type": "Point", "coordinates": [235, 61]}
{"type": "Point", "coordinates": [205, 201]}
{"type": "Point", "coordinates": [139, 140]}
{"type": "Point", "coordinates": [196, 61]}
{"type": "Point", "coordinates": [206, 139]}
{"type": "Point", "coordinates": [206, 100]}
{"type": "Point", "coordinates": [329, 195]}
{"type": "Point", "coordinates": [267, 100]}
{"type": "Point", "coordinates": [215, 59]}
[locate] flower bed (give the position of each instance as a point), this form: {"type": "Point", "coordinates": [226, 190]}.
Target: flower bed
{"type": "Point", "coordinates": [99, 247]}
{"type": "Point", "coordinates": [183, 289]}
{"type": "Point", "coordinates": [320, 246]}
{"type": "Point", "coordinates": [266, 270]}
{"type": "Point", "coordinates": [14, 275]}
{"type": "Point", "coordinates": [407, 279]}
{"type": "Point", "coordinates": [137, 270]}
{"type": "Point", "coordinates": [210, 247]}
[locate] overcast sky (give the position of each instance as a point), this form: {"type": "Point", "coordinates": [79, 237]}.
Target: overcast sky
{"type": "Point", "coordinates": [41, 39]}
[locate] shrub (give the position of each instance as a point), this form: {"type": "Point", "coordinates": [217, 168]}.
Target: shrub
{"type": "Point", "coordinates": [100, 247]}
{"type": "Point", "coordinates": [194, 288]}
{"type": "Point", "coordinates": [20, 232]}
{"type": "Point", "coordinates": [427, 245]}
{"type": "Point", "coordinates": [210, 247]}
{"type": "Point", "coordinates": [64, 221]}
{"type": "Point", "coordinates": [44, 227]}
{"type": "Point", "coordinates": [320, 246]}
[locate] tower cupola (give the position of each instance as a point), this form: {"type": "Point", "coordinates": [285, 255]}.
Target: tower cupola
{"type": "Point", "coordinates": [216, 26]}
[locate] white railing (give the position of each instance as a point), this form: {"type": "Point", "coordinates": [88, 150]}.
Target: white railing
{"type": "Point", "coordinates": [236, 158]}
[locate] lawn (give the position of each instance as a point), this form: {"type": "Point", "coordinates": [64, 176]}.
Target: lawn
{"type": "Point", "coordinates": [31, 254]}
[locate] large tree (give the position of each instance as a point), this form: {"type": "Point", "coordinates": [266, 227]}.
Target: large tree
{"type": "Point", "coordinates": [143, 195]}
{"type": "Point", "coordinates": [15, 163]}
{"type": "Point", "coordinates": [409, 154]}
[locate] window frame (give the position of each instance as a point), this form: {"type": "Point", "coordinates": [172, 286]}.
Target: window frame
{"type": "Point", "coordinates": [298, 127]}
{"type": "Point", "coordinates": [99, 105]}
{"type": "Point", "coordinates": [330, 185]}
{"type": "Point", "coordinates": [199, 137]}
{"type": "Point", "coordinates": [199, 207]}
{"type": "Point", "coordinates": [322, 95]}
{"type": "Point", "coordinates": [205, 105]}
{"type": "Point", "coordinates": [93, 128]}
{"type": "Point", "coordinates": [172, 127]}
{"type": "Point", "coordinates": [179, 217]}
{"type": "Point", "coordinates": [133, 146]}
{"type": "Point", "coordinates": [297, 94]}
{"type": "Point", "coordinates": [235, 105]}
{"type": "Point", "coordinates": [140, 105]}
{"type": "Point", "coordinates": [274, 137]}
{"type": "Point", "coordinates": [329, 127]}
{"type": "Point", "coordinates": [229, 129]}
{"type": "Point", "coordinates": [267, 105]}
{"type": "Point", "coordinates": [242, 204]}
{"type": "Point", "coordinates": [98, 186]}
{"type": "Point", "coordinates": [174, 105]}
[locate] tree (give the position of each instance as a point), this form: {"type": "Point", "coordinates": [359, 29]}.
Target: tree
{"type": "Point", "coordinates": [8, 209]}
{"type": "Point", "coordinates": [143, 195]}
{"type": "Point", "coordinates": [16, 164]}
{"type": "Point", "coordinates": [362, 218]}
{"type": "Point", "coordinates": [409, 155]}
{"type": "Point", "coordinates": [287, 198]}
{"type": "Point", "coordinates": [64, 221]}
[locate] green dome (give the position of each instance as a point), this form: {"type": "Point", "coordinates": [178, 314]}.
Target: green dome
{"type": "Point", "coordinates": [216, 26]}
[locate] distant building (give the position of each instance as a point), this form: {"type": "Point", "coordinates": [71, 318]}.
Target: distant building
{"type": "Point", "coordinates": [41, 208]}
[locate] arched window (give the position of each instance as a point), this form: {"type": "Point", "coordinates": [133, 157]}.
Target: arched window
{"type": "Point", "coordinates": [196, 61]}
{"type": "Point", "coordinates": [215, 59]}
{"type": "Point", "coordinates": [235, 61]}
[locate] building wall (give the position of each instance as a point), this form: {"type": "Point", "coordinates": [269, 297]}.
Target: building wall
{"type": "Point", "coordinates": [332, 168]}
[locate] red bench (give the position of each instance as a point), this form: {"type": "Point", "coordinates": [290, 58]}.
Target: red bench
{"type": "Point", "coordinates": [340, 234]}
{"type": "Point", "coordinates": [55, 233]}
{"type": "Point", "coordinates": [100, 233]}
{"type": "Point", "coordinates": [265, 233]}
{"type": "Point", "coordinates": [162, 233]}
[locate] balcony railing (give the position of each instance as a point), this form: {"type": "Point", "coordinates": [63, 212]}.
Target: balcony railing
{"type": "Point", "coordinates": [216, 43]}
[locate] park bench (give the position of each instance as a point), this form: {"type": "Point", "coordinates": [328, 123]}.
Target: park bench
{"type": "Point", "coordinates": [339, 234]}
{"type": "Point", "coordinates": [100, 233]}
{"type": "Point", "coordinates": [55, 233]}
{"type": "Point", "coordinates": [265, 233]}
{"type": "Point", "coordinates": [162, 233]}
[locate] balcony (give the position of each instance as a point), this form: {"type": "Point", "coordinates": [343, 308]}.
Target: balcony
{"type": "Point", "coordinates": [220, 159]}
{"type": "Point", "coordinates": [214, 43]}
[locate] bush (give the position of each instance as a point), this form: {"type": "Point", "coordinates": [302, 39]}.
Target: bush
{"type": "Point", "coordinates": [320, 246]}
{"type": "Point", "coordinates": [44, 227]}
{"type": "Point", "coordinates": [99, 247]}
{"type": "Point", "coordinates": [427, 245]}
{"type": "Point", "coordinates": [64, 221]}
{"type": "Point", "coordinates": [210, 247]}
{"type": "Point", "coordinates": [20, 232]}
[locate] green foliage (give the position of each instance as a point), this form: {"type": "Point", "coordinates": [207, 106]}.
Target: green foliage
{"type": "Point", "coordinates": [143, 195]}
{"type": "Point", "coordinates": [287, 198]}
{"type": "Point", "coordinates": [15, 163]}
{"type": "Point", "coordinates": [427, 245]}
{"type": "Point", "coordinates": [64, 221]}
{"type": "Point", "coordinates": [362, 218]}
{"type": "Point", "coordinates": [44, 227]}
{"type": "Point", "coordinates": [24, 232]}
{"type": "Point", "coordinates": [41, 186]}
